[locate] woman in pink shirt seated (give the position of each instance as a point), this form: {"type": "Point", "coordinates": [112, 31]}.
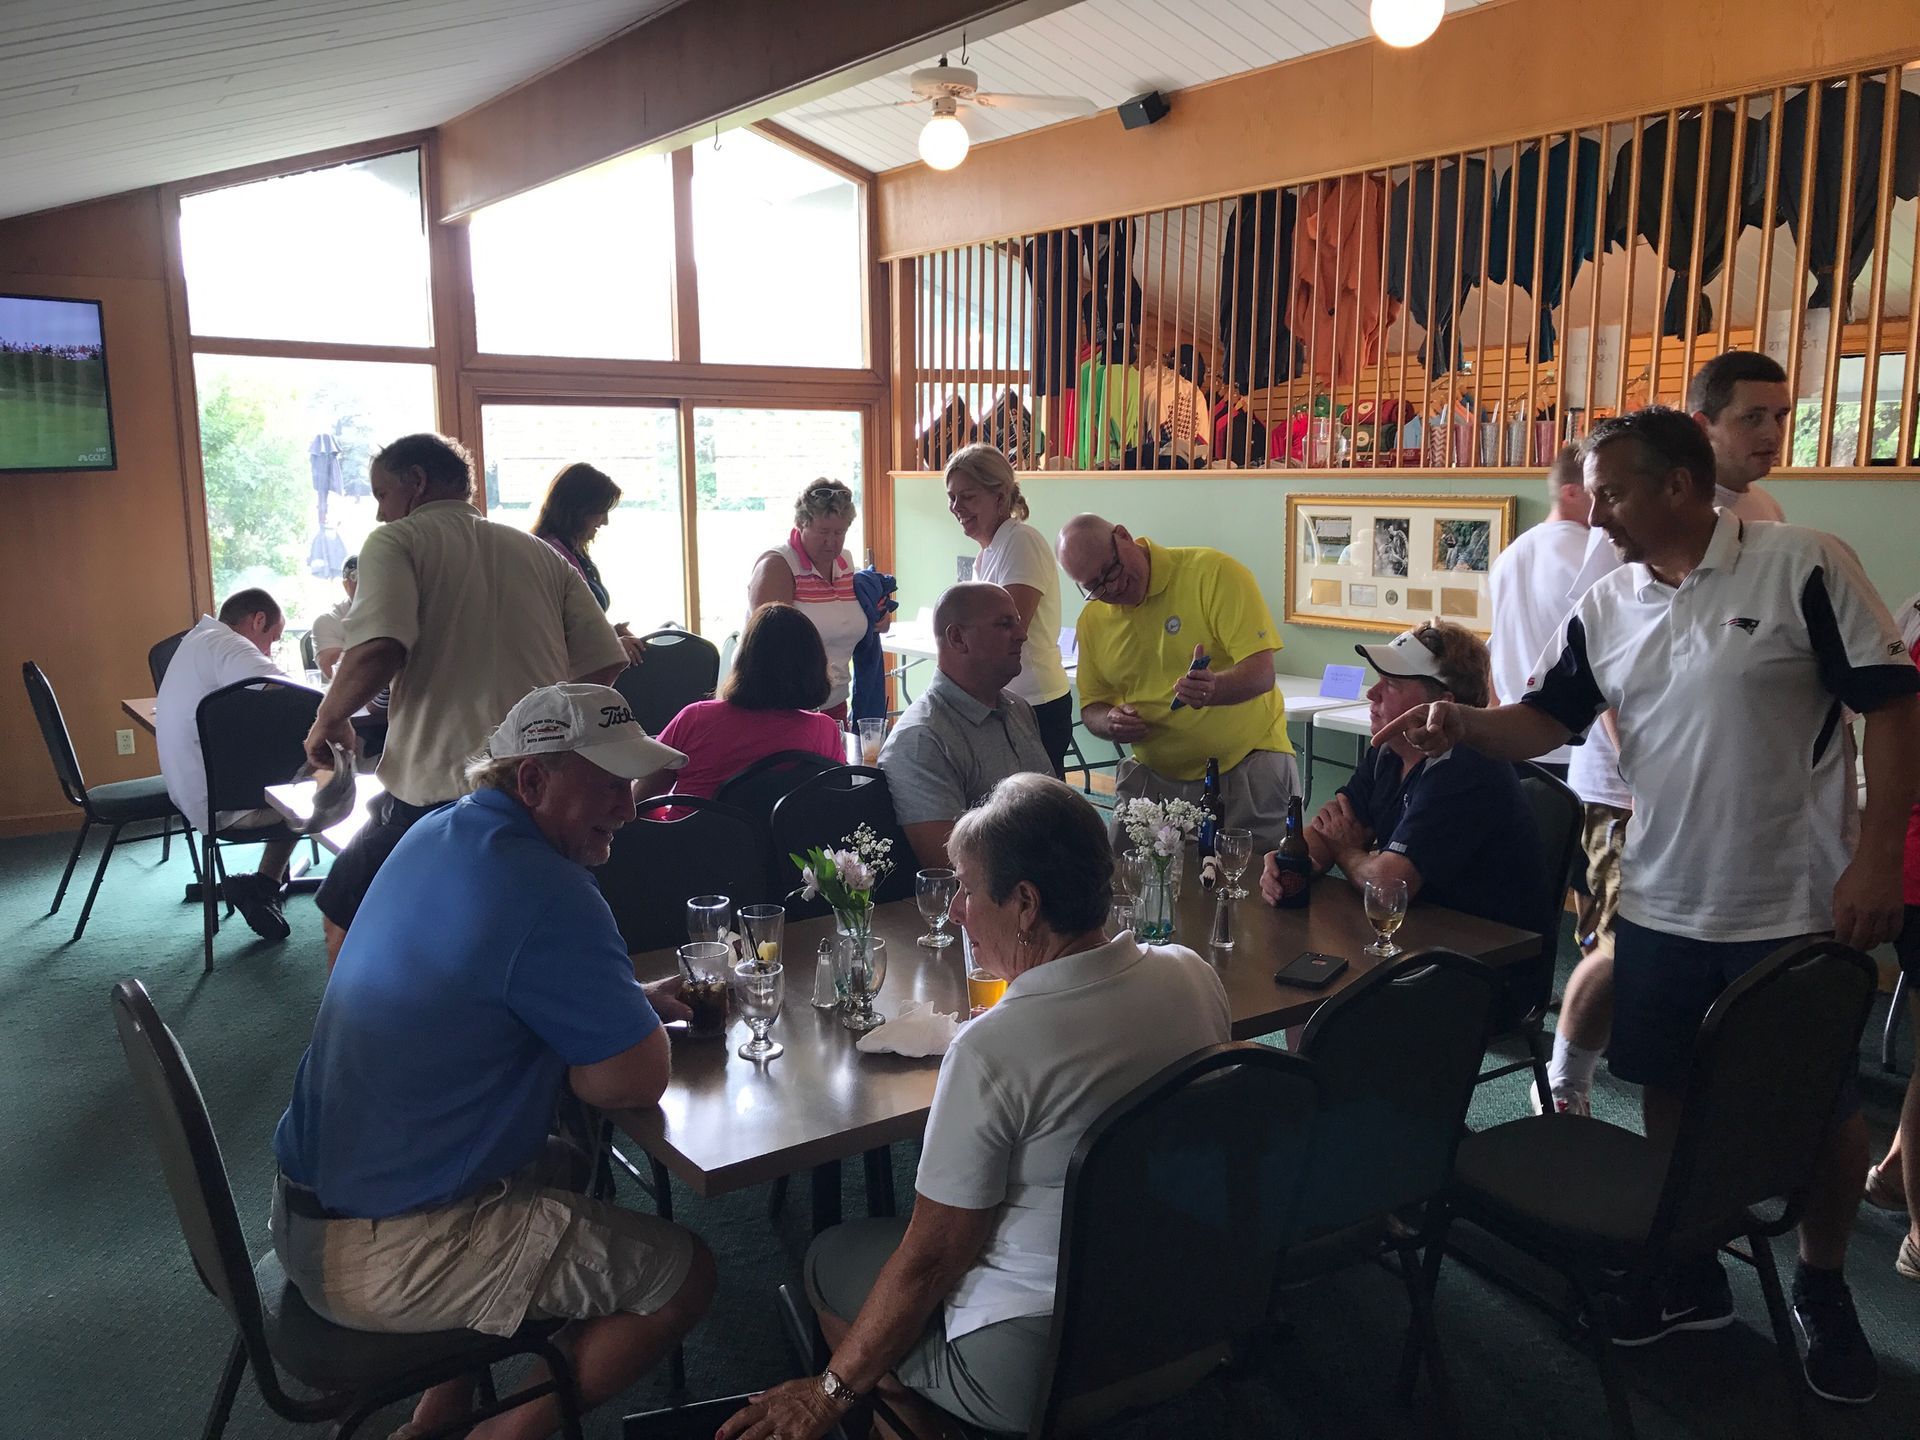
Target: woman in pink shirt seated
{"type": "Point", "coordinates": [768, 704]}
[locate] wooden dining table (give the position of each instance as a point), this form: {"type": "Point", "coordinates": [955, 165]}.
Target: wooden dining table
{"type": "Point", "coordinates": [726, 1123]}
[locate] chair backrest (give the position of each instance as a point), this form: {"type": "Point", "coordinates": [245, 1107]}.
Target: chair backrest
{"type": "Point", "coordinates": [727, 648]}
{"type": "Point", "coordinates": [825, 809]}
{"type": "Point", "coordinates": [309, 652]}
{"type": "Point", "coordinates": [680, 668]}
{"type": "Point", "coordinates": [1768, 1065]}
{"type": "Point", "coordinates": [1398, 1053]}
{"type": "Point", "coordinates": [1179, 1201]}
{"type": "Point", "coordinates": [1526, 989]}
{"type": "Point", "coordinates": [190, 1160]}
{"type": "Point", "coordinates": [53, 730]}
{"type": "Point", "coordinates": [160, 655]}
{"type": "Point", "coordinates": [252, 735]}
{"type": "Point", "coordinates": [768, 780]}
{"type": "Point", "coordinates": [657, 863]}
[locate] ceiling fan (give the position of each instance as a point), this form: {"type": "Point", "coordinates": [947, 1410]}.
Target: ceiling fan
{"type": "Point", "coordinates": [944, 141]}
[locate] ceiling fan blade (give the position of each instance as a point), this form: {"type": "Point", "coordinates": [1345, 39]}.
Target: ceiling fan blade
{"type": "Point", "coordinates": [1064, 104]}
{"type": "Point", "coordinates": [874, 109]}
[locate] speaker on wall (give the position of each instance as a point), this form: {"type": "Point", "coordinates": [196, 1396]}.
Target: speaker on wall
{"type": "Point", "coordinates": [1143, 110]}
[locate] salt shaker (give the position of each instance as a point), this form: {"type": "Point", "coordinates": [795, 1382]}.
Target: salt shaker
{"type": "Point", "coordinates": [824, 995]}
{"type": "Point", "coordinates": [1222, 936]}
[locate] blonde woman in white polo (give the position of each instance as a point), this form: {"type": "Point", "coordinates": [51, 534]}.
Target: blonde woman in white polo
{"type": "Point", "coordinates": [814, 571]}
{"type": "Point", "coordinates": [984, 496]}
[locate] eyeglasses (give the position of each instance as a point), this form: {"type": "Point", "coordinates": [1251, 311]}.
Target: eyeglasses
{"type": "Point", "coordinates": [1108, 576]}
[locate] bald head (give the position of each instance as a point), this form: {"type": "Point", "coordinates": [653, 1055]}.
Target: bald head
{"type": "Point", "coordinates": [1083, 541]}
{"type": "Point", "coordinates": [1103, 560]}
{"type": "Point", "coordinates": [979, 633]}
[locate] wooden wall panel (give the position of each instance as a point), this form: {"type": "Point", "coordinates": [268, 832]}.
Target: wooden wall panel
{"type": "Point", "coordinates": [1488, 74]}
{"type": "Point", "coordinates": [93, 566]}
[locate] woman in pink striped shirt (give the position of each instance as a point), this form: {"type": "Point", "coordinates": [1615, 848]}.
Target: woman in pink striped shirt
{"type": "Point", "coordinates": [814, 572]}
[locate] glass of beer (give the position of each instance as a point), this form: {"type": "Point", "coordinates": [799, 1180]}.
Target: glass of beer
{"type": "Point", "coordinates": [984, 988]}
{"type": "Point", "coordinates": [1386, 902]}
{"type": "Point", "coordinates": [873, 734]}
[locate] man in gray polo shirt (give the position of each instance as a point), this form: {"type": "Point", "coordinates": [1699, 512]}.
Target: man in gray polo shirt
{"type": "Point", "coordinates": [967, 732]}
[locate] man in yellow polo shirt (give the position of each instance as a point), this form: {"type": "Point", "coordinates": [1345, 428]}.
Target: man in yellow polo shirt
{"type": "Point", "coordinates": [1152, 613]}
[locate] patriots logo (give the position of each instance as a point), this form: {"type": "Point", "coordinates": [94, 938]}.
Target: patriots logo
{"type": "Point", "coordinates": [1743, 623]}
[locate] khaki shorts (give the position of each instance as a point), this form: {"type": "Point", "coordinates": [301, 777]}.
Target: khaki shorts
{"type": "Point", "coordinates": [526, 1247]}
{"type": "Point", "coordinates": [1255, 793]}
{"type": "Point", "coordinates": [1603, 833]}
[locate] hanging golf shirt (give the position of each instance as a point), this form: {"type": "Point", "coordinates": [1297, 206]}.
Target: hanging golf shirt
{"type": "Point", "coordinates": [1567, 228]}
{"type": "Point", "coordinates": [1444, 262]}
{"type": "Point", "coordinates": [1730, 690]}
{"type": "Point", "coordinates": [1252, 320]}
{"type": "Point", "coordinates": [1820, 248]}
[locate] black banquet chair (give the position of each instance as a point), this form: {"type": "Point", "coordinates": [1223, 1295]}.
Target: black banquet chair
{"type": "Point", "coordinates": [160, 655]}
{"type": "Point", "coordinates": [1397, 1053]}
{"type": "Point", "coordinates": [680, 668]}
{"type": "Point", "coordinates": [115, 805]}
{"type": "Point", "coordinates": [1526, 989]}
{"type": "Point", "coordinates": [1609, 1211]}
{"type": "Point", "coordinates": [824, 811]}
{"type": "Point", "coordinates": [252, 735]}
{"type": "Point", "coordinates": [767, 781]}
{"type": "Point", "coordinates": [659, 860]}
{"type": "Point", "coordinates": [343, 1376]}
{"type": "Point", "coordinates": [1179, 1202]}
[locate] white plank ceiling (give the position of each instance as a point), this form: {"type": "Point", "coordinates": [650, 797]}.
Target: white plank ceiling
{"type": "Point", "coordinates": [99, 96]}
{"type": "Point", "coordinates": [1104, 50]}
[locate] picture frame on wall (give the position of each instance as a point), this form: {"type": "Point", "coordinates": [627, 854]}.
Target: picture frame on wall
{"type": "Point", "coordinates": [1398, 560]}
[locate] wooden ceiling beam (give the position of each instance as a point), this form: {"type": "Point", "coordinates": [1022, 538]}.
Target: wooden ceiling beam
{"type": "Point", "coordinates": [671, 79]}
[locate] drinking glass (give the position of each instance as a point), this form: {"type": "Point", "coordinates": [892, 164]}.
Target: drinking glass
{"type": "Point", "coordinates": [1119, 915]}
{"type": "Point", "coordinates": [860, 969]}
{"type": "Point", "coordinates": [764, 928]}
{"type": "Point", "coordinates": [873, 734]}
{"type": "Point", "coordinates": [935, 889]}
{"type": "Point", "coordinates": [984, 988]}
{"type": "Point", "coordinates": [1235, 849]}
{"type": "Point", "coordinates": [1386, 902]}
{"type": "Point", "coordinates": [315, 680]}
{"type": "Point", "coordinates": [758, 987]}
{"type": "Point", "coordinates": [703, 972]}
{"type": "Point", "coordinates": [710, 917]}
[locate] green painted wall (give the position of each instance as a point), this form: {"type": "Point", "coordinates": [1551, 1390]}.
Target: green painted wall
{"type": "Point", "coordinates": [1245, 515]}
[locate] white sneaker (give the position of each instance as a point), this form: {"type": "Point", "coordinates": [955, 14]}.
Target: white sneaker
{"type": "Point", "coordinates": [1565, 1102]}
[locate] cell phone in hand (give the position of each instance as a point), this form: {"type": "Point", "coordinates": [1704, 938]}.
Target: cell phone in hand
{"type": "Point", "coordinates": [1310, 970]}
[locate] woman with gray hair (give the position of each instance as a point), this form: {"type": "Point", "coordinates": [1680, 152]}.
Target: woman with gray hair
{"type": "Point", "coordinates": [955, 1303]}
{"type": "Point", "coordinates": [814, 571]}
{"type": "Point", "coordinates": [984, 496]}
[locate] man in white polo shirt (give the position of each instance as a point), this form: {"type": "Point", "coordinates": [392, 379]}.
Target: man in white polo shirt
{"type": "Point", "coordinates": [1741, 401]}
{"type": "Point", "coordinates": [214, 654]}
{"type": "Point", "coordinates": [1730, 651]}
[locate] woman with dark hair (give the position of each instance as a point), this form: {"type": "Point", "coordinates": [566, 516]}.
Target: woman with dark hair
{"type": "Point", "coordinates": [769, 702]}
{"type": "Point", "coordinates": [579, 499]}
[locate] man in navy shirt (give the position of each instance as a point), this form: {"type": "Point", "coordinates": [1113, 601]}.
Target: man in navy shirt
{"type": "Point", "coordinates": [1456, 828]}
{"type": "Point", "coordinates": [419, 1188]}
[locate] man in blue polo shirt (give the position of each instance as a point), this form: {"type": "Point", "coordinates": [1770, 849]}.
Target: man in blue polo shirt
{"type": "Point", "coordinates": [1455, 827]}
{"type": "Point", "coordinates": [418, 1187]}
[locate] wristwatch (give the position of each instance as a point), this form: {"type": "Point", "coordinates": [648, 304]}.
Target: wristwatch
{"type": "Point", "coordinates": [836, 1389]}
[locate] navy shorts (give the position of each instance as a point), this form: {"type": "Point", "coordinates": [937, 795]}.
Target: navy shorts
{"type": "Point", "coordinates": [1663, 986]}
{"type": "Point", "coordinates": [353, 869]}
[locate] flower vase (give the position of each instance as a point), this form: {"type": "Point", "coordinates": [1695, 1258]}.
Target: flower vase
{"type": "Point", "coordinates": [1153, 906]}
{"type": "Point", "coordinates": [855, 926]}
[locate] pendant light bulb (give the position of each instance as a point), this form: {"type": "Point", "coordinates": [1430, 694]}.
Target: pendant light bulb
{"type": "Point", "coordinates": [1405, 23]}
{"type": "Point", "coordinates": [944, 142]}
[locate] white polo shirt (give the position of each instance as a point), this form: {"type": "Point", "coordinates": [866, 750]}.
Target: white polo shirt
{"type": "Point", "coordinates": [1529, 583]}
{"type": "Point", "coordinates": [211, 656]}
{"type": "Point", "coordinates": [1730, 691]}
{"type": "Point", "coordinates": [1018, 554]}
{"type": "Point", "coordinates": [1023, 1083]}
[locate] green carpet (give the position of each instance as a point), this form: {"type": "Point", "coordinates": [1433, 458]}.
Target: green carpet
{"type": "Point", "coordinates": [108, 1332]}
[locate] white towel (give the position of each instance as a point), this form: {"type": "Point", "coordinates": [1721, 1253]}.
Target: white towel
{"type": "Point", "coordinates": [918, 1030]}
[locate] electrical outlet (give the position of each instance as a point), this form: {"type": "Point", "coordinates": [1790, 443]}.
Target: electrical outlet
{"type": "Point", "coordinates": [123, 741]}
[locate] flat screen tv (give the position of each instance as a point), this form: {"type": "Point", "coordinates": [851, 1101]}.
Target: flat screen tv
{"type": "Point", "coordinates": [54, 411]}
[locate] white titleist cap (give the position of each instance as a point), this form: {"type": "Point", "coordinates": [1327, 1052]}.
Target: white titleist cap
{"type": "Point", "coordinates": [1408, 653]}
{"type": "Point", "coordinates": [593, 721]}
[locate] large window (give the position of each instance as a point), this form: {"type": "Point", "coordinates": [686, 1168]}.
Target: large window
{"type": "Point", "coordinates": [776, 242]}
{"type": "Point", "coordinates": [749, 467]}
{"type": "Point", "coordinates": [583, 266]}
{"type": "Point", "coordinates": [284, 447]}
{"type": "Point", "coordinates": [638, 551]}
{"type": "Point", "coordinates": [338, 254]}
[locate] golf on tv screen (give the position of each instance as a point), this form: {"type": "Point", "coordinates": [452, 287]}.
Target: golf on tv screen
{"type": "Point", "coordinates": [54, 413]}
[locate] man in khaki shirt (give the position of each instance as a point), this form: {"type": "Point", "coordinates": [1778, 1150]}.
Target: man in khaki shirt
{"type": "Point", "coordinates": [462, 617]}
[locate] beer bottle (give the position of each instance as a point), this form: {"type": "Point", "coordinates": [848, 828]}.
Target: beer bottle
{"type": "Point", "coordinates": [1294, 862]}
{"type": "Point", "coordinates": [1213, 819]}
